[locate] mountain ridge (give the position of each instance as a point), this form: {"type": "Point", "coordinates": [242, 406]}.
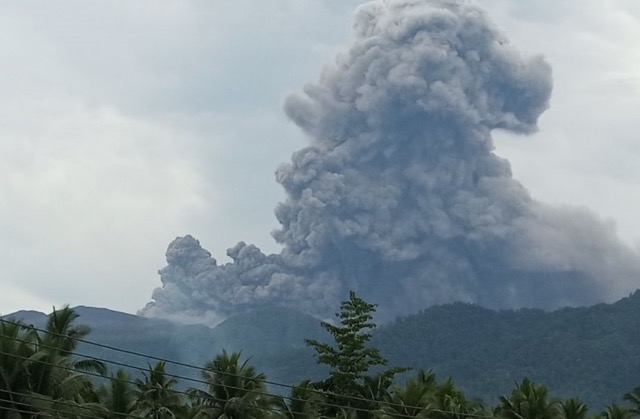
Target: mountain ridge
{"type": "Point", "coordinates": [590, 352]}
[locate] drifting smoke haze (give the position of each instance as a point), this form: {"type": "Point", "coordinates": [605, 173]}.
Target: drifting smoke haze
{"type": "Point", "coordinates": [399, 195]}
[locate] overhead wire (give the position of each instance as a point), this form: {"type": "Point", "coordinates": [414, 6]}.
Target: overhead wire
{"type": "Point", "coordinates": [206, 396]}
{"type": "Point", "coordinates": [103, 411]}
{"type": "Point", "coordinates": [129, 352]}
{"type": "Point", "coordinates": [35, 411]}
{"type": "Point", "coordinates": [182, 364]}
{"type": "Point", "coordinates": [167, 361]}
{"type": "Point", "coordinates": [149, 370]}
{"type": "Point", "coordinates": [127, 381]}
{"type": "Point", "coordinates": [117, 363]}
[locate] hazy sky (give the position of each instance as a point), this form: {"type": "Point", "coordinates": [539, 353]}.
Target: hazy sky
{"type": "Point", "coordinates": [126, 124]}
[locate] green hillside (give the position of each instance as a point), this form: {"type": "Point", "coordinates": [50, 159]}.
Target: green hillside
{"type": "Point", "coordinates": [590, 352]}
{"type": "Point", "coordinates": [273, 338]}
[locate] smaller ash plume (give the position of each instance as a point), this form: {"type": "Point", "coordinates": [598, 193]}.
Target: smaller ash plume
{"type": "Point", "coordinates": [399, 195]}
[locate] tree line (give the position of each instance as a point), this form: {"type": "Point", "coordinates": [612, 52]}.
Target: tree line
{"type": "Point", "coordinates": [41, 378]}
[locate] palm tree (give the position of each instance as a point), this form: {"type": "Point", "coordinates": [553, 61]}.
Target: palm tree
{"type": "Point", "coordinates": [234, 390]}
{"type": "Point", "coordinates": [16, 348]}
{"type": "Point", "coordinates": [58, 381]}
{"type": "Point", "coordinates": [117, 397]}
{"type": "Point", "coordinates": [38, 371]}
{"type": "Point", "coordinates": [634, 398]}
{"type": "Point", "coordinates": [375, 388]}
{"type": "Point", "coordinates": [53, 364]}
{"type": "Point", "coordinates": [573, 409]}
{"type": "Point", "coordinates": [528, 401]}
{"type": "Point", "coordinates": [451, 403]}
{"type": "Point", "coordinates": [414, 399]}
{"type": "Point", "coordinates": [614, 411]}
{"type": "Point", "coordinates": [423, 397]}
{"type": "Point", "coordinates": [305, 402]}
{"type": "Point", "coordinates": [155, 396]}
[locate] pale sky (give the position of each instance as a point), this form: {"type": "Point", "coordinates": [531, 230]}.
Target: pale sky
{"type": "Point", "coordinates": [126, 124]}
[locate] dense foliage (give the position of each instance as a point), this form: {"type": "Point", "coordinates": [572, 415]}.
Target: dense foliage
{"type": "Point", "coordinates": [350, 358]}
{"type": "Point", "coordinates": [591, 351]}
{"type": "Point", "coordinates": [43, 375]}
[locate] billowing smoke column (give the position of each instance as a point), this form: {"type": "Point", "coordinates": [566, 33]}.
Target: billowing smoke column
{"type": "Point", "coordinates": [400, 197]}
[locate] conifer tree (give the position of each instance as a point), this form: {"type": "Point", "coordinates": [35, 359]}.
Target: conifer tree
{"type": "Point", "coordinates": [350, 358]}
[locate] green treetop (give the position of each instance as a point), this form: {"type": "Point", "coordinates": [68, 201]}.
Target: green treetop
{"type": "Point", "coordinates": [349, 359]}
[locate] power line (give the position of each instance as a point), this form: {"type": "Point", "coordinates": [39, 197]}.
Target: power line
{"type": "Point", "coordinates": [149, 369]}
{"type": "Point", "coordinates": [101, 345]}
{"type": "Point", "coordinates": [129, 352]}
{"type": "Point", "coordinates": [117, 363]}
{"type": "Point", "coordinates": [205, 395]}
{"type": "Point", "coordinates": [167, 361]}
{"type": "Point", "coordinates": [314, 402]}
{"type": "Point", "coordinates": [86, 406]}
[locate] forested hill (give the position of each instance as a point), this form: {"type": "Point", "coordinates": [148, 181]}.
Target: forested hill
{"type": "Point", "coordinates": [590, 352]}
{"type": "Point", "coordinates": [273, 338]}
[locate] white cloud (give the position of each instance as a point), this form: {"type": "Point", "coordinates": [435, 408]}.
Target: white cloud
{"type": "Point", "coordinates": [125, 124]}
{"type": "Point", "coordinates": [87, 195]}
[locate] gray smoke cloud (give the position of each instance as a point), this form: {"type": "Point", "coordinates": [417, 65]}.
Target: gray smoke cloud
{"type": "Point", "coordinates": [399, 195]}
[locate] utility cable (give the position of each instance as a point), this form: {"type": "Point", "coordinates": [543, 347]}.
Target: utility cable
{"type": "Point", "coordinates": [207, 396]}
{"type": "Point", "coordinates": [86, 407]}
{"type": "Point", "coordinates": [129, 352]}
{"type": "Point", "coordinates": [167, 361]}
{"type": "Point", "coordinates": [257, 392]}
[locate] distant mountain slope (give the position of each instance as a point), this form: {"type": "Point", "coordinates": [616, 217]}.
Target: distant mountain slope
{"type": "Point", "coordinates": [274, 340]}
{"type": "Point", "coordinates": [591, 352]}
{"type": "Point", "coordinates": [272, 337]}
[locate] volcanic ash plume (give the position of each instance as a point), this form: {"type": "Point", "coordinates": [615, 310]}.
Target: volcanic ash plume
{"type": "Point", "coordinates": [399, 195]}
